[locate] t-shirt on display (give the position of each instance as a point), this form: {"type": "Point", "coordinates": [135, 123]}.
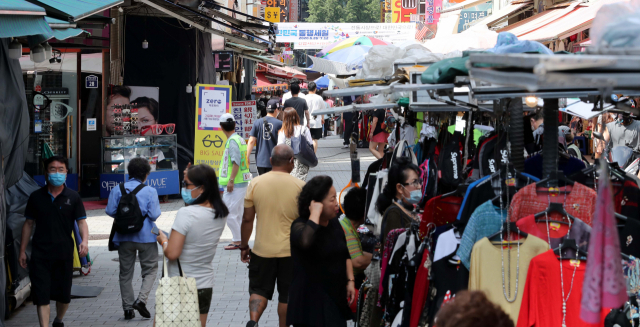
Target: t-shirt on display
{"type": "Point", "coordinates": [275, 198]}
{"type": "Point", "coordinates": [486, 271]}
{"type": "Point", "coordinates": [580, 232]}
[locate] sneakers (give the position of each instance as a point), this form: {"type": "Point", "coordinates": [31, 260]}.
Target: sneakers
{"type": "Point", "coordinates": [142, 309]}
{"type": "Point", "coordinates": [252, 323]}
{"type": "Point", "coordinates": [129, 314]}
{"type": "Point", "coordinates": [58, 324]}
{"type": "Point", "coordinates": [345, 146]}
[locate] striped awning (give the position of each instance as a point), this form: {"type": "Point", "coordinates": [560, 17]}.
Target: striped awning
{"type": "Point", "coordinates": [75, 10]}
{"type": "Point", "coordinates": [24, 25]}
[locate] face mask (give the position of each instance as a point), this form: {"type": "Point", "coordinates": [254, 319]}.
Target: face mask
{"type": "Point", "coordinates": [414, 197]}
{"type": "Point", "coordinates": [186, 195]}
{"type": "Point", "coordinates": [57, 179]}
{"type": "Point", "coordinates": [268, 97]}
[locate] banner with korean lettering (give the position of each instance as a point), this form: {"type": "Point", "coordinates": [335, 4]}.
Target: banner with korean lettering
{"type": "Point", "coordinates": [469, 15]}
{"type": "Point", "coordinates": [402, 10]}
{"type": "Point", "coordinates": [432, 11]}
{"type": "Point", "coordinates": [319, 35]}
{"type": "Point", "coordinates": [211, 102]}
{"type": "Point", "coordinates": [284, 8]}
{"type": "Point", "coordinates": [245, 114]}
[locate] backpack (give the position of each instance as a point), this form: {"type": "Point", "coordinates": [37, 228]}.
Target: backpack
{"type": "Point", "coordinates": [129, 217]}
{"type": "Point", "coordinates": [388, 120]}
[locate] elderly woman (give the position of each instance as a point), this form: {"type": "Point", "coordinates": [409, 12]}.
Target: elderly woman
{"type": "Point", "coordinates": [323, 284]}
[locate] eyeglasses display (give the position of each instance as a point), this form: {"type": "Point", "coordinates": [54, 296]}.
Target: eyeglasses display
{"type": "Point", "coordinates": [159, 150]}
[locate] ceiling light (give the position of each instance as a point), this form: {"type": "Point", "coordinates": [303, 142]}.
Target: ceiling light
{"type": "Point", "coordinates": [47, 50]}
{"type": "Point", "coordinates": [38, 53]}
{"type": "Point", "coordinates": [531, 101]}
{"type": "Point", "coordinates": [145, 44]}
{"type": "Point", "coordinates": [15, 49]}
{"type": "Point", "coordinates": [189, 88]}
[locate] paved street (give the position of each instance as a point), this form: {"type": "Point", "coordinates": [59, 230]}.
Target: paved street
{"type": "Point", "coordinates": [230, 296]}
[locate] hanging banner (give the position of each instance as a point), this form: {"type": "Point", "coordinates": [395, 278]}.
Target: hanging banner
{"type": "Point", "coordinates": [319, 35]}
{"type": "Point", "coordinates": [244, 113]}
{"type": "Point", "coordinates": [469, 15]}
{"type": "Point", "coordinates": [432, 11]}
{"type": "Point", "coordinates": [211, 102]}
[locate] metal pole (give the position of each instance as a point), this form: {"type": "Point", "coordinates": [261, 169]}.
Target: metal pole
{"type": "Point", "coordinates": [516, 134]}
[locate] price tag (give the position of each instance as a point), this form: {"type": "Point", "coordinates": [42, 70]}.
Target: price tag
{"type": "Point", "coordinates": [272, 14]}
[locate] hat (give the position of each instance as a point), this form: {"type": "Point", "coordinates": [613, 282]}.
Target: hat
{"type": "Point", "coordinates": [273, 104]}
{"type": "Point", "coordinates": [226, 117]}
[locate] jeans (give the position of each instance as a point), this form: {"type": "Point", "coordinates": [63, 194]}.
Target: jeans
{"type": "Point", "coordinates": [148, 254]}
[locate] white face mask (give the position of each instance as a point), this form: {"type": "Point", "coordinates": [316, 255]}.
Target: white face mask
{"type": "Point", "coordinates": [268, 97]}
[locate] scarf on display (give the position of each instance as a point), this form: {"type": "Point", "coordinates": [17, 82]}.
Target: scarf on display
{"type": "Point", "coordinates": [604, 284]}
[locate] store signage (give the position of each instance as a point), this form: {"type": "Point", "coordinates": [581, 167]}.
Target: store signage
{"type": "Point", "coordinates": [319, 35]}
{"type": "Point", "coordinates": [211, 102]}
{"type": "Point", "coordinates": [91, 124]}
{"type": "Point", "coordinates": [402, 9]}
{"type": "Point", "coordinates": [91, 82]}
{"type": "Point", "coordinates": [165, 182]}
{"type": "Point", "coordinates": [272, 14]}
{"type": "Point", "coordinates": [469, 15]}
{"type": "Point", "coordinates": [245, 113]}
{"type": "Point", "coordinates": [54, 91]}
{"type": "Point", "coordinates": [432, 11]}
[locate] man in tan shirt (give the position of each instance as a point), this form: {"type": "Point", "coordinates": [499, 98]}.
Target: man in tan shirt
{"type": "Point", "coordinates": [273, 197]}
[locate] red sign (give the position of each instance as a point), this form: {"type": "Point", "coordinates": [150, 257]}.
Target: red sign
{"type": "Point", "coordinates": [38, 88]}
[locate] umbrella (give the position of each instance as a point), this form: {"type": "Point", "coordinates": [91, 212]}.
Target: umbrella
{"type": "Point", "coordinates": [352, 56]}
{"type": "Point", "coordinates": [361, 40]}
{"type": "Point", "coordinates": [323, 82]}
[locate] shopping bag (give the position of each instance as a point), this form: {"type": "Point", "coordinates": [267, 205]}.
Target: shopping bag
{"type": "Point", "coordinates": [176, 300]}
{"type": "Point", "coordinates": [303, 150]}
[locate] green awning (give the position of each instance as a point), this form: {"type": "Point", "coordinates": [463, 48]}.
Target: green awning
{"type": "Point", "coordinates": [75, 10]}
{"type": "Point", "coordinates": [20, 7]}
{"type": "Point", "coordinates": [24, 25]}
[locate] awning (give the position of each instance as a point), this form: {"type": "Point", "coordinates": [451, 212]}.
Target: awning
{"type": "Point", "coordinates": [263, 59]}
{"type": "Point", "coordinates": [502, 15]}
{"type": "Point", "coordinates": [63, 30]}
{"type": "Point", "coordinates": [263, 84]}
{"type": "Point", "coordinates": [538, 21]}
{"type": "Point", "coordinates": [464, 5]}
{"type": "Point", "coordinates": [74, 10]}
{"type": "Point", "coordinates": [20, 7]}
{"type": "Point", "coordinates": [21, 18]}
{"type": "Point", "coordinates": [575, 21]}
{"type": "Point", "coordinates": [203, 22]}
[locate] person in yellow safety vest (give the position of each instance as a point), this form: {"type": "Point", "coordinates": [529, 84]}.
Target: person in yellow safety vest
{"type": "Point", "coordinates": [234, 176]}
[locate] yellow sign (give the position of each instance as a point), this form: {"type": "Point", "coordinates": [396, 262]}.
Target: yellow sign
{"type": "Point", "coordinates": [272, 14]}
{"type": "Point", "coordinates": [211, 102]}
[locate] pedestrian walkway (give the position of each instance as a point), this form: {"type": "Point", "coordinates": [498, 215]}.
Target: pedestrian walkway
{"type": "Point", "coordinates": [229, 307]}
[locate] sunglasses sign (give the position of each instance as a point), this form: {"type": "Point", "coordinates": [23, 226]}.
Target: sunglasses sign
{"type": "Point", "coordinates": [212, 101]}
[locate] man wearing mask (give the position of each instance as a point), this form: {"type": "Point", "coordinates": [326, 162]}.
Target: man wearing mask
{"type": "Point", "coordinates": [270, 259]}
{"type": "Point", "coordinates": [623, 131]}
{"type": "Point", "coordinates": [264, 134]}
{"type": "Point", "coordinates": [54, 208]}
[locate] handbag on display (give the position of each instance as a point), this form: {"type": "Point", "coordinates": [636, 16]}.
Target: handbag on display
{"type": "Point", "coordinates": [176, 300]}
{"type": "Point", "coordinates": [303, 150]}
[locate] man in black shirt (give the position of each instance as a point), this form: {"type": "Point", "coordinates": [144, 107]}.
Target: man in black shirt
{"type": "Point", "coordinates": [299, 104]}
{"type": "Point", "coordinates": [54, 208]}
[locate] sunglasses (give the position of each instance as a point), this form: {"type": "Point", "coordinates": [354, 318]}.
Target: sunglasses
{"type": "Point", "coordinates": [126, 111]}
{"type": "Point", "coordinates": [158, 128]}
{"type": "Point", "coordinates": [134, 118]}
{"type": "Point", "coordinates": [134, 110]}
{"type": "Point", "coordinates": [117, 111]}
{"type": "Point", "coordinates": [117, 119]}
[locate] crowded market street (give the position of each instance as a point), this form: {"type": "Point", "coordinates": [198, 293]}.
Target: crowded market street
{"type": "Point", "coordinates": [229, 306]}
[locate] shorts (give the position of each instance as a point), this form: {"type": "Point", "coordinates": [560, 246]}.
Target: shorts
{"type": "Point", "coordinates": [380, 137]}
{"type": "Point", "coordinates": [50, 280]}
{"type": "Point", "coordinates": [316, 133]}
{"type": "Point", "coordinates": [263, 273]}
{"type": "Point", "coordinates": [204, 299]}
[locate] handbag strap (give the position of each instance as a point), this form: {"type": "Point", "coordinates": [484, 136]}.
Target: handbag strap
{"type": "Point", "coordinates": [165, 271]}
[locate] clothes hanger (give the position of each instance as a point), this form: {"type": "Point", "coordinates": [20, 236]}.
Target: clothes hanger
{"type": "Point", "coordinates": [569, 243]}
{"type": "Point", "coordinates": [511, 227]}
{"type": "Point", "coordinates": [559, 177]}
{"type": "Point", "coordinates": [554, 207]}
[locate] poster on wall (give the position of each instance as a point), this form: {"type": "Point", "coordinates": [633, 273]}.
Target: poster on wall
{"type": "Point", "coordinates": [244, 113]}
{"type": "Point", "coordinates": [145, 98]}
{"type": "Point", "coordinates": [211, 102]}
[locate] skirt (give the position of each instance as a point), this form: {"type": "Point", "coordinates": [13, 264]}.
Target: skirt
{"type": "Point", "coordinates": [300, 170]}
{"type": "Point", "coordinates": [380, 137]}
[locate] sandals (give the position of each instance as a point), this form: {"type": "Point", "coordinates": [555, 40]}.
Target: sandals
{"type": "Point", "coordinates": [232, 246]}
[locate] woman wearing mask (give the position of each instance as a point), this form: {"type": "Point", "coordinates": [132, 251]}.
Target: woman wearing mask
{"type": "Point", "coordinates": [196, 232]}
{"type": "Point", "coordinates": [291, 128]}
{"type": "Point", "coordinates": [323, 284]}
{"type": "Point", "coordinates": [399, 196]}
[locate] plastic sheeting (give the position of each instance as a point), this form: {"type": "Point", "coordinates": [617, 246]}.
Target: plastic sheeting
{"type": "Point", "coordinates": [617, 25]}
{"type": "Point", "coordinates": [509, 43]}
{"type": "Point", "coordinates": [477, 37]}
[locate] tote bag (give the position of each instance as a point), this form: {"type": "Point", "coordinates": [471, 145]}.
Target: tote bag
{"type": "Point", "coordinates": [303, 150]}
{"type": "Point", "coordinates": [177, 300]}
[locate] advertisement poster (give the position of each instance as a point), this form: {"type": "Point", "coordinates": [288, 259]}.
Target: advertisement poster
{"type": "Point", "coordinates": [146, 99]}
{"type": "Point", "coordinates": [211, 102]}
{"type": "Point", "coordinates": [245, 114]}
{"type": "Point", "coordinates": [319, 35]}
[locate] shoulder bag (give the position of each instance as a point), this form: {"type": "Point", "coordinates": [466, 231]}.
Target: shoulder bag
{"type": "Point", "coordinates": [303, 150]}
{"type": "Point", "coordinates": [176, 300]}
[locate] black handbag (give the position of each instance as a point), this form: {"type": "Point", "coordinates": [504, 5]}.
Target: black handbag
{"type": "Point", "coordinates": [303, 150]}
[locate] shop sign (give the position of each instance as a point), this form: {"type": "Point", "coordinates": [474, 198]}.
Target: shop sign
{"type": "Point", "coordinates": [54, 91]}
{"type": "Point", "coordinates": [211, 102]}
{"type": "Point", "coordinates": [402, 10]}
{"type": "Point", "coordinates": [283, 5]}
{"type": "Point", "coordinates": [245, 113]}
{"type": "Point", "coordinates": [272, 14]}
{"type": "Point", "coordinates": [470, 15]}
{"type": "Point", "coordinates": [91, 124]}
{"type": "Point", "coordinates": [319, 35]}
{"type": "Point", "coordinates": [165, 182]}
{"type": "Point", "coordinates": [432, 11]}
{"type": "Point", "coordinates": [91, 82]}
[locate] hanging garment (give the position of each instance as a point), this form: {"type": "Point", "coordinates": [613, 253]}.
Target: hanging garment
{"type": "Point", "coordinates": [580, 232]}
{"type": "Point", "coordinates": [372, 213]}
{"type": "Point", "coordinates": [408, 132]}
{"type": "Point", "coordinates": [440, 211]}
{"type": "Point", "coordinates": [580, 202]}
{"type": "Point", "coordinates": [629, 237]}
{"type": "Point", "coordinates": [485, 273]}
{"type": "Point", "coordinates": [542, 297]}
{"type": "Point", "coordinates": [389, 245]}
{"type": "Point", "coordinates": [371, 314]}
{"type": "Point", "coordinates": [450, 164]}
{"type": "Point", "coordinates": [448, 278]}
{"type": "Point", "coordinates": [420, 289]}
{"type": "Point", "coordinates": [447, 243]}
{"type": "Point", "coordinates": [533, 165]}
{"type": "Point", "coordinates": [485, 221]}
{"type": "Point", "coordinates": [604, 287]}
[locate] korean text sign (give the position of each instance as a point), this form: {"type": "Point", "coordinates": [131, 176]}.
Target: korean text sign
{"type": "Point", "coordinates": [245, 114]}
{"type": "Point", "coordinates": [211, 102]}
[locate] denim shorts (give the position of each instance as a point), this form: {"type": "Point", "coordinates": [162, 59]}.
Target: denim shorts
{"type": "Point", "coordinates": [204, 299]}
